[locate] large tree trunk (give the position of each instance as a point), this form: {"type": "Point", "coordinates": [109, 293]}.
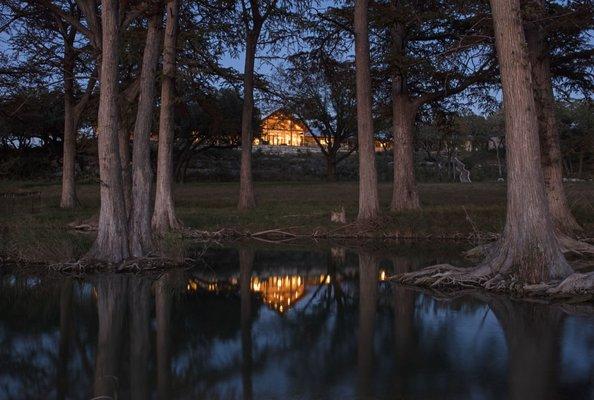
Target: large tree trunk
{"type": "Point", "coordinates": [529, 249]}
{"type": "Point", "coordinates": [247, 199]}
{"type": "Point", "coordinates": [404, 194]}
{"type": "Point", "coordinates": [68, 198]}
{"type": "Point", "coordinates": [404, 110]}
{"type": "Point", "coordinates": [164, 218]}
{"type": "Point", "coordinates": [368, 195]}
{"type": "Point", "coordinates": [111, 244]}
{"type": "Point", "coordinates": [124, 146]}
{"type": "Point", "coordinates": [547, 122]}
{"type": "Point", "coordinates": [142, 176]}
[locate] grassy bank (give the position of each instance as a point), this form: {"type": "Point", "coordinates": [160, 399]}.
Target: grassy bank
{"type": "Point", "coordinates": [36, 228]}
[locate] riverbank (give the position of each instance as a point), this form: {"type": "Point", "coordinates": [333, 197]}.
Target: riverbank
{"type": "Point", "coordinates": [34, 228]}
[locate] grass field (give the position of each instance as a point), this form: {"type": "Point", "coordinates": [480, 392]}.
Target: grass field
{"type": "Point", "coordinates": [36, 228]}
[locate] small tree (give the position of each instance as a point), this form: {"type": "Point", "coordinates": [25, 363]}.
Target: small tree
{"type": "Point", "coordinates": [321, 92]}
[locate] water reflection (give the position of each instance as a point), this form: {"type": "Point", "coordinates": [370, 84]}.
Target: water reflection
{"type": "Point", "coordinates": [219, 332]}
{"type": "Point", "coordinates": [140, 317]}
{"type": "Point", "coordinates": [111, 310]}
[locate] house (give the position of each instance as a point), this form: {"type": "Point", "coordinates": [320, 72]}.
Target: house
{"type": "Point", "coordinates": [281, 128]}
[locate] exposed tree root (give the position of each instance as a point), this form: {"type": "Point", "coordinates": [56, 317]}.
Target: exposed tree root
{"type": "Point", "coordinates": [144, 264]}
{"type": "Point", "coordinates": [579, 248]}
{"type": "Point", "coordinates": [444, 278]}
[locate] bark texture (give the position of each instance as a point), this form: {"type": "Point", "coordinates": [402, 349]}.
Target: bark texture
{"type": "Point", "coordinates": [529, 249]}
{"type": "Point", "coordinates": [368, 194]}
{"type": "Point", "coordinates": [68, 198]}
{"type": "Point", "coordinates": [404, 110]}
{"type": "Point", "coordinates": [111, 244]}
{"type": "Point", "coordinates": [164, 218]}
{"type": "Point", "coordinates": [552, 166]}
{"type": "Point", "coordinates": [142, 175]}
{"type": "Point", "coordinates": [247, 199]}
{"type": "Point", "coordinates": [72, 112]}
{"type": "Point", "coordinates": [405, 195]}
{"type": "Point", "coordinates": [125, 161]}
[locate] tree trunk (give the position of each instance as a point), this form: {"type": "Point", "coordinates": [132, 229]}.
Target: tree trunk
{"type": "Point", "coordinates": [331, 167]}
{"type": "Point", "coordinates": [68, 198]}
{"type": "Point", "coordinates": [164, 218]}
{"type": "Point", "coordinates": [529, 249]}
{"type": "Point", "coordinates": [547, 124]}
{"type": "Point", "coordinates": [247, 199]}
{"type": "Point", "coordinates": [124, 146]}
{"type": "Point", "coordinates": [142, 176]}
{"type": "Point", "coordinates": [111, 244]}
{"type": "Point", "coordinates": [368, 195]}
{"type": "Point", "coordinates": [404, 194]}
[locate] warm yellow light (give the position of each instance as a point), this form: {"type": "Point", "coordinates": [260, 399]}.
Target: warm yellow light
{"type": "Point", "coordinates": [327, 279]}
{"type": "Point", "coordinates": [382, 275]}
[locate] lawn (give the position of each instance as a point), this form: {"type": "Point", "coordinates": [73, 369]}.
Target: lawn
{"type": "Point", "coordinates": [36, 228]}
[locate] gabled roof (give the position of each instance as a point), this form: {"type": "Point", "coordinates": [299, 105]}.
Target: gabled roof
{"type": "Point", "coordinates": [284, 112]}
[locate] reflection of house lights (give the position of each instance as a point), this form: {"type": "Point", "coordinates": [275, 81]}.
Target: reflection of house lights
{"type": "Point", "coordinates": [279, 292]}
{"type": "Point", "coordinates": [193, 285]}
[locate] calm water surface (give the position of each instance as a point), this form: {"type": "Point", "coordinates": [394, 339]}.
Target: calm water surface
{"type": "Point", "coordinates": [292, 323]}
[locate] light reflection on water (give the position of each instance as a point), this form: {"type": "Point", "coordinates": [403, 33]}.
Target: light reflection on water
{"type": "Point", "coordinates": [284, 324]}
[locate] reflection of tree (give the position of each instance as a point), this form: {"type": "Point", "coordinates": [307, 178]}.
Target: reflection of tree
{"type": "Point", "coordinates": [246, 263]}
{"type": "Point", "coordinates": [140, 314]}
{"type": "Point", "coordinates": [163, 319]}
{"type": "Point", "coordinates": [368, 280]}
{"type": "Point", "coordinates": [66, 327]}
{"type": "Point", "coordinates": [532, 332]}
{"type": "Point", "coordinates": [111, 308]}
{"type": "Point", "coordinates": [404, 333]}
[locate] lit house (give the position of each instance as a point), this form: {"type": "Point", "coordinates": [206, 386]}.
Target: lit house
{"type": "Point", "coordinates": [280, 128]}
